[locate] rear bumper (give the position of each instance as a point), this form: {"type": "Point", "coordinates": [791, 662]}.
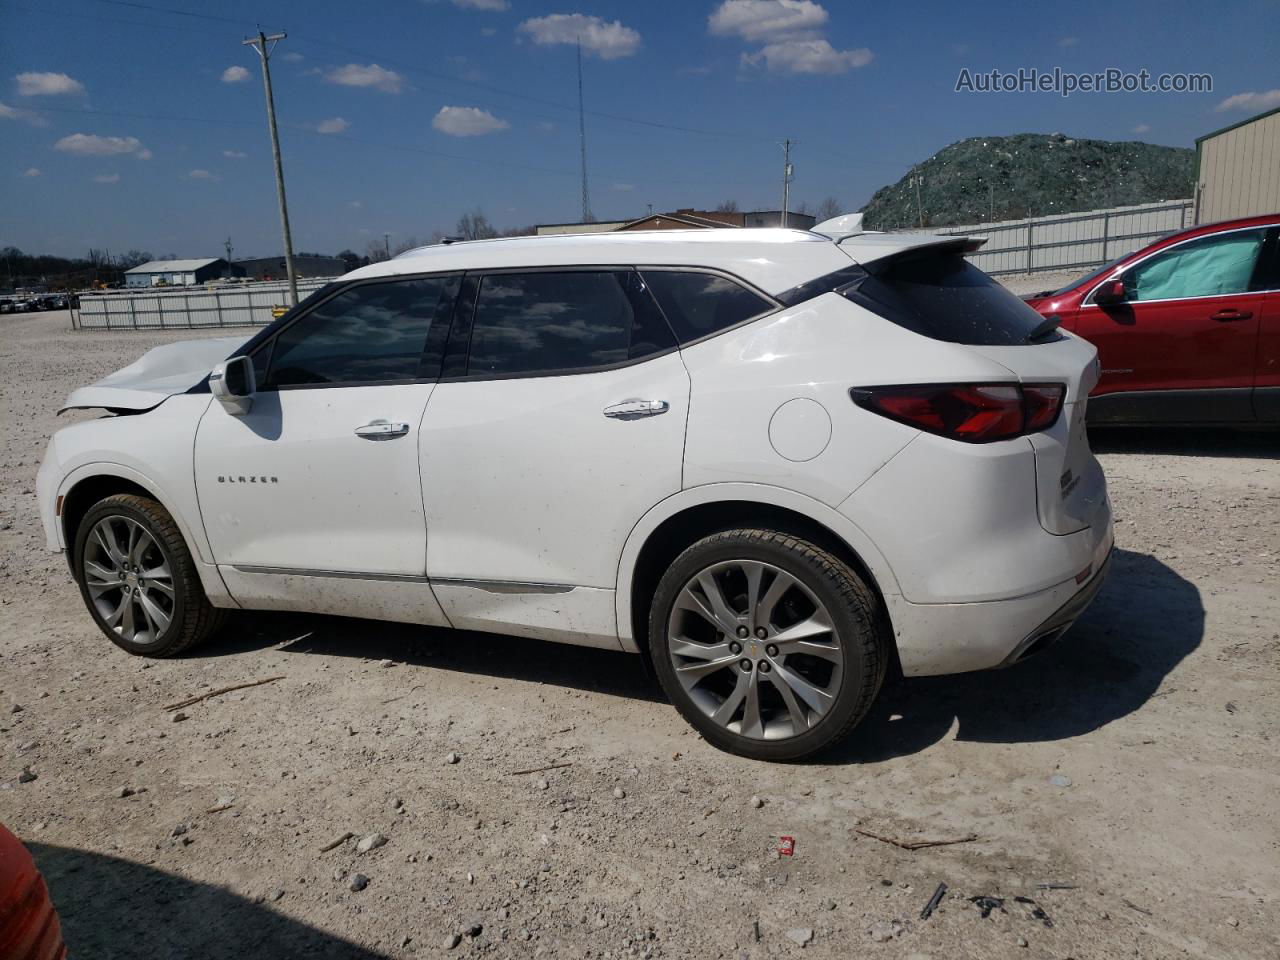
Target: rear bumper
{"type": "Point", "coordinates": [942, 638]}
{"type": "Point", "coordinates": [1060, 621]}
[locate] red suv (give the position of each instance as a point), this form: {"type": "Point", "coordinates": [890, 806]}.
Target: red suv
{"type": "Point", "coordinates": [1187, 329]}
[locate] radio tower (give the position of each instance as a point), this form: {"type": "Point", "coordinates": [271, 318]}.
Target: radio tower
{"type": "Point", "coordinates": [587, 216]}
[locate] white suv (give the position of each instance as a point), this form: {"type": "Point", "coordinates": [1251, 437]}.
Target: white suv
{"type": "Point", "coordinates": [776, 464]}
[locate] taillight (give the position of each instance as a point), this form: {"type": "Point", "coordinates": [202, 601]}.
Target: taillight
{"type": "Point", "coordinates": [970, 412]}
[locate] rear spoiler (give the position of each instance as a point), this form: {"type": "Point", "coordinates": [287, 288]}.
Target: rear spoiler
{"type": "Point", "coordinates": [897, 251]}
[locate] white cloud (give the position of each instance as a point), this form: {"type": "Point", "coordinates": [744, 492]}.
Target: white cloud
{"type": "Point", "coordinates": [47, 84]}
{"type": "Point", "coordinates": [292, 57]}
{"type": "Point", "coordinates": [606, 40]}
{"type": "Point", "coordinates": [467, 122]}
{"type": "Point", "coordinates": [624, 187]}
{"type": "Point", "coordinates": [1068, 41]}
{"type": "Point", "coordinates": [235, 75]}
{"type": "Point", "coordinates": [1142, 128]}
{"type": "Point", "coordinates": [107, 178]}
{"type": "Point", "coordinates": [488, 31]}
{"type": "Point", "coordinates": [92, 145]}
{"type": "Point", "coordinates": [762, 20]}
{"type": "Point", "coordinates": [481, 4]}
{"type": "Point", "coordinates": [31, 172]}
{"type": "Point", "coordinates": [808, 56]}
{"type": "Point", "coordinates": [355, 204]}
{"type": "Point", "coordinates": [201, 175]}
{"type": "Point", "coordinates": [1252, 100]}
{"type": "Point", "coordinates": [355, 75]}
{"type": "Point", "coordinates": [234, 154]}
{"type": "Point", "coordinates": [8, 112]}
{"type": "Point", "coordinates": [332, 125]}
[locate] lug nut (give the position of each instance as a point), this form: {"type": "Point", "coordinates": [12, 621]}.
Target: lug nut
{"type": "Point", "coordinates": [761, 632]}
{"type": "Point", "coordinates": [771, 650]}
{"type": "Point", "coordinates": [735, 647]}
{"type": "Point", "coordinates": [764, 666]}
{"type": "Point", "coordinates": [742, 631]}
{"type": "Point", "coordinates": [746, 666]}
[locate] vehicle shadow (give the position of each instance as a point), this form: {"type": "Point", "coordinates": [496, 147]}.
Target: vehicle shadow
{"type": "Point", "coordinates": [1143, 623]}
{"type": "Point", "coordinates": [1188, 442]}
{"type": "Point", "coordinates": [482, 654]}
{"type": "Point", "coordinates": [113, 909]}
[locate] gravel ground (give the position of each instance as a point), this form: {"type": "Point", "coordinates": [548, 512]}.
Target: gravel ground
{"type": "Point", "coordinates": [1136, 762]}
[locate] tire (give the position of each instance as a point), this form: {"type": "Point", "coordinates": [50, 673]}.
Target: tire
{"type": "Point", "coordinates": [129, 548]}
{"type": "Point", "coordinates": [830, 653]}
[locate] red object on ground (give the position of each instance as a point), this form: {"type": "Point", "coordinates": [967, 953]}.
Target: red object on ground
{"type": "Point", "coordinates": [29, 927]}
{"type": "Point", "coordinates": [786, 846]}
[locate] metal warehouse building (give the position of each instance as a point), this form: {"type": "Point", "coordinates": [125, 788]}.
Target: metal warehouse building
{"type": "Point", "coordinates": [175, 273]}
{"type": "Point", "coordinates": [1238, 169]}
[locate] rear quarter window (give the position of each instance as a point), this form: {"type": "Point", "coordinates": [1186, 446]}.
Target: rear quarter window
{"type": "Point", "coordinates": [700, 304]}
{"type": "Point", "coordinates": [944, 297]}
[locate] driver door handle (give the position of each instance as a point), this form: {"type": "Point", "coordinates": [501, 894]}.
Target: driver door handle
{"type": "Point", "coordinates": [635, 409]}
{"type": "Point", "coordinates": [1226, 316]}
{"type": "Point", "coordinates": [381, 430]}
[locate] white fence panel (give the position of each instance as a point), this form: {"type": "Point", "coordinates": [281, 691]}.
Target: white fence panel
{"type": "Point", "coordinates": [238, 305]}
{"type": "Point", "coordinates": [1073, 241]}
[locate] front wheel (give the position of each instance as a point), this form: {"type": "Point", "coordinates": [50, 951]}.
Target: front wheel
{"type": "Point", "coordinates": [769, 645]}
{"type": "Point", "coordinates": [138, 579]}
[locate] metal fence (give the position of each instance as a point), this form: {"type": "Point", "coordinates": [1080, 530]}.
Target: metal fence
{"type": "Point", "coordinates": [1073, 241]}
{"type": "Point", "coordinates": [232, 305]}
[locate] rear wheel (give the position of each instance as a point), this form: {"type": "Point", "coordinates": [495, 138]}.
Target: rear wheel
{"type": "Point", "coordinates": [138, 580]}
{"type": "Point", "coordinates": [767, 644]}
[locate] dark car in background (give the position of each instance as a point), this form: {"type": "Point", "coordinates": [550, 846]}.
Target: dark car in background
{"type": "Point", "coordinates": [1187, 328]}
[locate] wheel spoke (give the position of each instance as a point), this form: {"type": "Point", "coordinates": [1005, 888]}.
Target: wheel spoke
{"type": "Point", "coordinates": [158, 619]}
{"type": "Point", "coordinates": [816, 625]}
{"type": "Point", "coordinates": [106, 539]}
{"type": "Point", "coordinates": [724, 713]}
{"type": "Point", "coordinates": [816, 698]}
{"type": "Point", "coordinates": [127, 626]}
{"type": "Point", "coordinates": [135, 538]}
{"type": "Point", "coordinates": [754, 572]}
{"type": "Point", "coordinates": [827, 651]}
{"type": "Point", "coordinates": [782, 582]}
{"type": "Point", "coordinates": [799, 719]}
{"type": "Point", "coordinates": [725, 616]}
{"type": "Point", "coordinates": [118, 612]}
{"type": "Point", "coordinates": [162, 586]}
{"type": "Point", "coordinates": [688, 600]}
{"type": "Point", "coordinates": [752, 724]}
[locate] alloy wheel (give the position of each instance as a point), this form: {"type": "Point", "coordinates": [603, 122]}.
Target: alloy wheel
{"type": "Point", "coordinates": [128, 579]}
{"type": "Point", "coordinates": [755, 650]}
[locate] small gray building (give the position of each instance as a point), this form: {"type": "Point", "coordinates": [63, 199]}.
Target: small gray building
{"type": "Point", "coordinates": [1238, 169]}
{"type": "Point", "coordinates": [176, 273]}
{"type": "Point", "coordinates": [273, 268]}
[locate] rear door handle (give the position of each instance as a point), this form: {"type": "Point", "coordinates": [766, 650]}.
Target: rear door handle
{"type": "Point", "coordinates": [635, 409]}
{"type": "Point", "coordinates": [381, 430]}
{"type": "Point", "coordinates": [1226, 316]}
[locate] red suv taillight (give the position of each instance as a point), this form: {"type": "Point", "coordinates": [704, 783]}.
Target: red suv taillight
{"type": "Point", "coordinates": [971, 412]}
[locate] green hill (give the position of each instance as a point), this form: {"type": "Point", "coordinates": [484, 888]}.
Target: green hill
{"type": "Point", "coordinates": [1030, 175]}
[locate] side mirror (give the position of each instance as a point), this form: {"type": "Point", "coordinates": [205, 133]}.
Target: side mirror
{"type": "Point", "coordinates": [1110, 292]}
{"type": "Point", "coordinates": [232, 382]}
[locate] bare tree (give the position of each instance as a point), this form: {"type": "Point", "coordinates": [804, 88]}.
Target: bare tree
{"type": "Point", "coordinates": [728, 206]}
{"type": "Point", "coordinates": [828, 208]}
{"type": "Point", "coordinates": [376, 251]}
{"type": "Point", "coordinates": [802, 209]}
{"type": "Point", "coordinates": [475, 226]}
{"type": "Point", "coordinates": [408, 243]}
{"type": "Point", "coordinates": [520, 232]}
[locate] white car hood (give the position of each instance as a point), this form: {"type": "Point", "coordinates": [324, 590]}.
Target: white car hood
{"type": "Point", "coordinates": [156, 375]}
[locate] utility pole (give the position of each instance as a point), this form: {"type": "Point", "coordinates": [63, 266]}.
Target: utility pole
{"type": "Point", "coordinates": [259, 43]}
{"type": "Point", "coordinates": [226, 244]}
{"type": "Point", "coordinates": [786, 178]}
{"type": "Point", "coordinates": [587, 216]}
{"type": "Point", "coordinates": [386, 240]}
{"type": "Point", "coordinates": [919, 208]}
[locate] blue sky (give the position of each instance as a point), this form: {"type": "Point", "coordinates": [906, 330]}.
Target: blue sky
{"type": "Point", "coordinates": [125, 124]}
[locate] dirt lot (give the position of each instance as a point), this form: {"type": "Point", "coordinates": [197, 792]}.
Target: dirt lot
{"type": "Point", "coordinates": [1136, 762]}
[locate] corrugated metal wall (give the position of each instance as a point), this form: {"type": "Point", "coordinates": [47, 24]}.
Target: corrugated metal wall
{"type": "Point", "coordinates": [1240, 171]}
{"type": "Point", "coordinates": [232, 305]}
{"type": "Point", "coordinates": [1073, 241]}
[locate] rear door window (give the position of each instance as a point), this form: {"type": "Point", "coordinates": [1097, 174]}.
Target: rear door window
{"type": "Point", "coordinates": [699, 304]}
{"type": "Point", "coordinates": [552, 322]}
{"type": "Point", "coordinates": [943, 296]}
